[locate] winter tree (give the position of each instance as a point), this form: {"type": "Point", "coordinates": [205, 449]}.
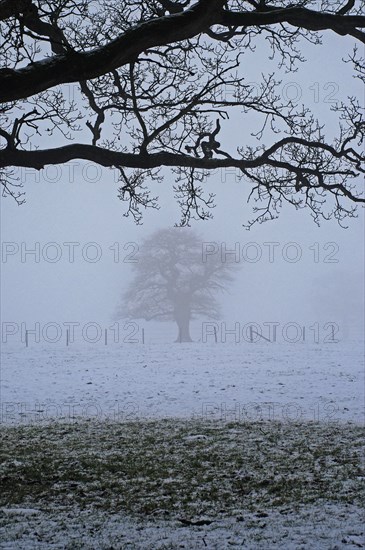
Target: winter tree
{"type": "Point", "coordinates": [176, 280]}
{"type": "Point", "coordinates": [140, 86]}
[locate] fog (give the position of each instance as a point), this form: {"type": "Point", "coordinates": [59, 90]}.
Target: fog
{"type": "Point", "coordinates": [303, 274]}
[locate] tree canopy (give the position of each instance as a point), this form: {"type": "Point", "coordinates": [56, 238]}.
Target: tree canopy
{"type": "Point", "coordinates": [176, 278]}
{"type": "Point", "coordinates": [140, 85]}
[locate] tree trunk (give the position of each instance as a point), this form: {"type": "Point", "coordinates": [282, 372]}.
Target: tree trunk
{"type": "Point", "coordinates": [183, 321]}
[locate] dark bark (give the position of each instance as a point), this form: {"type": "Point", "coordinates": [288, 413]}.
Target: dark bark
{"type": "Point", "coordinates": [301, 170]}
{"type": "Point", "coordinates": [75, 66]}
{"type": "Point", "coordinates": [182, 318]}
{"type": "Point", "coordinates": [104, 157]}
{"type": "Point", "coordinates": [10, 8]}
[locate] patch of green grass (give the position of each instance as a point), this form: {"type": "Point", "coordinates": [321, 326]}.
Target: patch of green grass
{"type": "Point", "coordinates": [159, 467]}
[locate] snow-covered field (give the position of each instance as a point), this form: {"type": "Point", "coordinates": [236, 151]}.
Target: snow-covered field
{"type": "Point", "coordinates": [239, 382]}
{"type": "Point", "coordinates": [260, 446]}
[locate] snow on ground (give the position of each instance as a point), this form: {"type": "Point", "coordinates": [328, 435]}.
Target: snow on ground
{"type": "Point", "coordinates": [299, 386]}
{"type": "Point", "coordinates": [157, 485]}
{"type": "Point", "coordinates": [223, 381]}
{"type": "Point", "coordinates": [315, 527]}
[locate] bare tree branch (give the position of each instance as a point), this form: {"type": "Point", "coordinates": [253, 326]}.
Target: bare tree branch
{"type": "Point", "coordinates": [151, 83]}
{"type": "Point", "coordinates": [75, 65]}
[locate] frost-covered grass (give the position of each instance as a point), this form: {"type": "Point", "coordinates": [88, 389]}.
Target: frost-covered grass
{"type": "Point", "coordinates": [161, 483]}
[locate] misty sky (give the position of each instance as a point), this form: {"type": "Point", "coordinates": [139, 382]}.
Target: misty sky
{"type": "Point", "coordinates": [84, 211]}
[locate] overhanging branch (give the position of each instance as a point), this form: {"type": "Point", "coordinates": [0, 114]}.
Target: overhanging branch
{"type": "Point", "coordinates": [38, 159]}
{"type": "Point", "coordinates": [75, 66]}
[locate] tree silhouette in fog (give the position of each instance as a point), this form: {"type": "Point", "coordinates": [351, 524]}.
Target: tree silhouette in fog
{"type": "Point", "coordinates": [174, 280]}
